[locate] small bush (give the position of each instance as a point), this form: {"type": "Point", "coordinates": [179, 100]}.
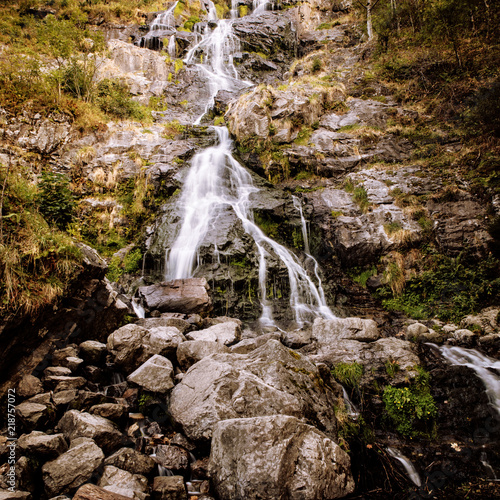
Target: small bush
{"type": "Point", "coordinates": [411, 409]}
{"type": "Point", "coordinates": [55, 200]}
{"type": "Point", "coordinates": [348, 374]}
{"type": "Point", "coordinates": [114, 99]}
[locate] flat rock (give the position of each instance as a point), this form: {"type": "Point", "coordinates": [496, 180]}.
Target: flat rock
{"type": "Point", "coordinates": [111, 411]}
{"type": "Point", "coordinates": [223, 333]}
{"type": "Point", "coordinates": [329, 330]}
{"type": "Point", "coordinates": [29, 386]}
{"type": "Point", "coordinates": [124, 483]}
{"type": "Point", "coordinates": [169, 488]}
{"type": "Point", "coordinates": [155, 375]}
{"type": "Point", "coordinates": [73, 468]}
{"type": "Point", "coordinates": [93, 492]}
{"type": "Point", "coordinates": [274, 457]}
{"type": "Point", "coordinates": [32, 414]}
{"type": "Point", "coordinates": [184, 296]}
{"type": "Point", "coordinates": [41, 444]}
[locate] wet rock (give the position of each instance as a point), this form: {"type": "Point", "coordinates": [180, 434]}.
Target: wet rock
{"type": "Point", "coordinates": [464, 336]}
{"type": "Point", "coordinates": [93, 492]}
{"type": "Point", "coordinates": [172, 457]}
{"type": "Point", "coordinates": [277, 457]}
{"type": "Point", "coordinates": [223, 333]}
{"type": "Point", "coordinates": [155, 375]}
{"type": "Point", "coordinates": [41, 444]}
{"type": "Point", "coordinates": [169, 488]}
{"type": "Point", "coordinates": [75, 424]}
{"type": "Point", "coordinates": [270, 380]}
{"type": "Point", "coordinates": [329, 330]}
{"type": "Point", "coordinates": [72, 468]}
{"type": "Point", "coordinates": [124, 483]}
{"type": "Point", "coordinates": [131, 461]}
{"type": "Point", "coordinates": [185, 296]}
{"type": "Point", "coordinates": [192, 351]}
{"type": "Point", "coordinates": [92, 351]}
{"type": "Point", "coordinates": [29, 386]}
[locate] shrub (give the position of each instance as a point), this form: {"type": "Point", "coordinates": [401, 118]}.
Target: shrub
{"type": "Point", "coordinates": [412, 409]}
{"type": "Point", "coordinates": [114, 99]}
{"type": "Point", "coordinates": [55, 200]}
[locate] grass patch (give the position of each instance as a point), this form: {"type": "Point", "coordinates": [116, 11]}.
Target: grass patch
{"type": "Point", "coordinates": [348, 374]}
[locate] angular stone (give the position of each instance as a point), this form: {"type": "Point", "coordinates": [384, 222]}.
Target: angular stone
{"type": "Point", "coordinates": [270, 380]}
{"type": "Point", "coordinates": [224, 333]}
{"type": "Point", "coordinates": [111, 411]}
{"type": "Point", "coordinates": [155, 375]}
{"type": "Point", "coordinates": [274, 457]}
{"type": "Point", "coordinates": [131, 461]}
{"type": "Point", "coordinates": [125, 345]}
{"type": "Point", "coordinates": [192, 351]}
{"type": "Point", "coordinates": [92, 351]}
{"type": "Point", "coordinates": [72, 468]}
{"type": "Point", "coordinates": [248, 345]}
{"type": "Point", "coordinates": [181, 324]}
{"type": "Point", "coordinates": [60, 355]}
{"type": "Point", "coordinates": [124, 483]}
{"type": "Point", "coordinates": [184, 296]}
{"type": "Point", "coordinates": [32, 414]}
{"type": "Point", "coordinates": [29, 386]}
{"type": "Point", "coordinates": [57, 371]}
{"type": "Point", "coordinates": [64, 397]}
{"type": "Point", "coordinates": [329, 330]}
{"type": "Point", "coordinates": [75, 424]}
{"type": "Point", "coordinates": [415, 330]}
{"type": "Point", "coordinates": [15, 495]}
{"type": "Point", "coordinates": [93, 492]}
{"type": "Point", "coordinates": [169, 488]}
{"type": "Point", "coordinates": [172, 457]}
{"type": "Point", "coordinates": [72, 362]}
{"type": "Point", "coordinates": [41, 444]}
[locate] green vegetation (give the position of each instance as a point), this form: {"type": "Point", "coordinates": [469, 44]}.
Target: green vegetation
{"type": "Point", "coordinates": [55, 200]}
{"type": "Point", "coordinates": [131, 263]}
{"type": "Point", "coordinates": [348, 374]}
{"type": "Point", "coordinates": [361, 276]}
{"type": "Point", "coordinates": [360, 196]}
{"type": "Point", "coordinates": [37, 261]}
{"type": "Point", "coordinates": [412, 409]}
{"type": "Point", "coordinates": [448, 288]}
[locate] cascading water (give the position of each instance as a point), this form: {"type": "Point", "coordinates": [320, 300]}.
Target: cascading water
{"type": "Point", "coordinates": [213, 56]}
{"type": "Point", "coordinates": [409, 467]}
{"type": "Point", "coordinates": [216, 182]}
{"type": "Point", "coordinates": [163, 25]}
{"type": "Point", "coordinates": [259, 6]}
{"type": "Point", "coordinates": [481, 364]}
{"type": "Point", "coordinates": [305, 235]}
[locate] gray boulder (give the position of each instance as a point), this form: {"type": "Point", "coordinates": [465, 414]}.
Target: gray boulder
{"type": "Point", "coordinates": [75, 424]}
{"type": "Point", "coordinates": [274, 457]}
{"type": "Point", "coordinates": [330, 330]}
{"type": "Point", "coordinates": [41, 444]}
{"type": "Point", "coordinates": [92, 351]}
{"type": "Point", "coordinates": [29, 386]}
{"type": "Point", "coordinates": [223, 333]}
{"type": "Point", "coordinates": [155, 375]}
{"type": "Point", "coordinates": [169, 487]}
{"type": "Point", "coordinates": [268, 381]}
{"type": "Point", "coordinates": [131, 461]}
{"type": "Point", "coordinates": [73, 468]}
{"type": "Point", "coordinates": [124, 483]}
{"type": "Point", "coordinates": [192, 351]}
{"type": "Point", "coordinates": [186, 296]}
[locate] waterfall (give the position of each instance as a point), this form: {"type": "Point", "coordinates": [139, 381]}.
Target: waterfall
{"type": "Point", "coordinates": [481, 364]}
{"type": "Point", "coordinates": [217, 182]}
{"type": "Point", "coordinates": [259, 6]}
{"type": "Point", "coordinates": [352, 411]}
{"type": "Point", "coordinates": [172, 49]}
{"type": "Point", "coordinates": [410, 469]}
{"type": "Point", "coordinates": [165, 22]}
{"type": "Point", "coordinates": [298, 206]}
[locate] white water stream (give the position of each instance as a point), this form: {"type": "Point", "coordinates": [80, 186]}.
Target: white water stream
{"type": "Point", "coordinates": [409, 467]}
{"type": "Point", "coordinates": [486, 368]}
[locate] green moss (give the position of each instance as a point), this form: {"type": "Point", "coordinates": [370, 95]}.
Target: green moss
{"type": "Point", "coordinates": [392, 227]}
{"type": "Point", "coordinates": [337, 213]}
{"type": "Point", "coordinates": [360, 196]}
{"type": "Point", "coordinates": [268, 226]}
{"type": "Point", "coordinates": [361, 276]}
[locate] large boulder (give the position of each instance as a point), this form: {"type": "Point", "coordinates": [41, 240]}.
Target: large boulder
{"type": "Point", "coordinates": [132, 345]}
{"type": "Point", "coordinates": [41, 444]}
{"type": "Point", "coordinates": [73, 468]}
{"type": "Point", "coordinates": [223, 333]}
{"type": "Point", "coordinates": [268, 381]}
{"type": "Point", "coordinates": [192, 351]}
{"type": "Point", "coordinates": [330, 330]}
{"type": "Point", "coordinates": [131, 461]}
{"type": "Point", "coordinates": [185, 296]}
{"type": "Point", "coordinates": [274, 457]}
{"type": "Point", "coordinates": [124, 483]}
{"type": "Point", "coordinates": [155, 375]}
{"type": "Point", "coordinates": [75, 424]}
